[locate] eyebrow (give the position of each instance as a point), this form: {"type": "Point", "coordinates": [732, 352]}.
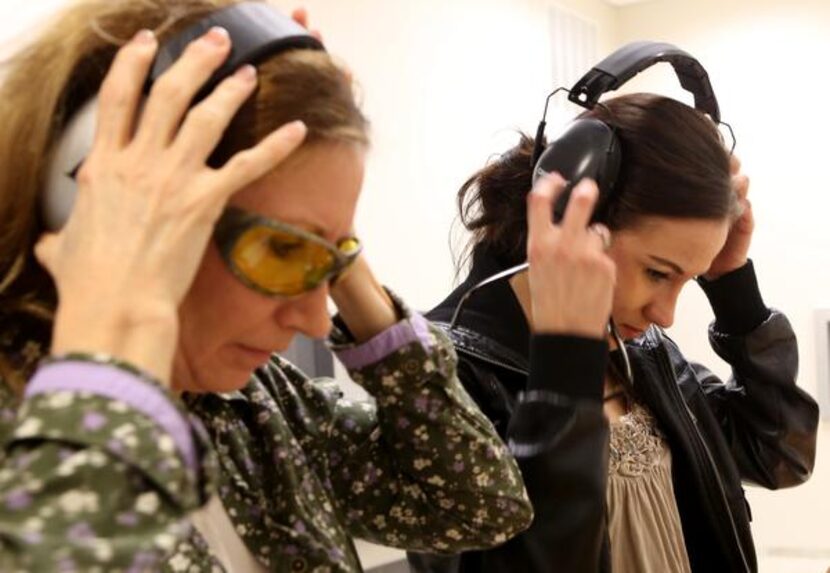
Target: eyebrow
{"type": "Point", "coordinates": [674, 266]}
{"type": "Point", "coordinates": [312, 228]}
{"type": "Point", "coordinates": [320, 232]}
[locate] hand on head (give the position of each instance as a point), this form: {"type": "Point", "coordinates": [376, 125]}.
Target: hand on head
{"type": "Point", "coordinates": [735, 251]}
{"type": "Point", "coordinates": [571, 276]}
{"type": "Point", "coordinates": [147, 201]}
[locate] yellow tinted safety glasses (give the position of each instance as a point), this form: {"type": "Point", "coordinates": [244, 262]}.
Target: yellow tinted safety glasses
{"type": "Point", "coordinates": [277, 259]}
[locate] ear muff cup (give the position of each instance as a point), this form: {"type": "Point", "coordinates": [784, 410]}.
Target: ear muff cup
{"type": "Point", "coordinates": [587, 148]}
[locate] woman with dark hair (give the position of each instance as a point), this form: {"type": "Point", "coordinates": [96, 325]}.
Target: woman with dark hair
{"type": "Point", "coordinates": [634, 460]}
{"type": "Point", "coordinates": [147, 421]}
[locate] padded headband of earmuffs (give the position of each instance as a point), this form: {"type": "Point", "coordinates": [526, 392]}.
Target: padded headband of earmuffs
{"type": "Point", "coordinates": [625, 63]}
{"type": "Point", "coordinates": [257, 31]}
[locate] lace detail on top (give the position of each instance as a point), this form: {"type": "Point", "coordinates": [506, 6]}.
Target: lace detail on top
{"type": "Point", "coordinates": [637, 445]}
{"type": "Point", "coordinates": [643, 521]}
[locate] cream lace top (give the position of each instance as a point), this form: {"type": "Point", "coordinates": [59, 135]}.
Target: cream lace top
{"type": "Point", "coordinates": [643, 520]}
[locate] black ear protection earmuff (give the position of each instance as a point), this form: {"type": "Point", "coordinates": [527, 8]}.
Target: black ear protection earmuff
{"type": "Point", "coordinates": [589, 147]}
{"type": "Point", "coordinates": [257, 31]}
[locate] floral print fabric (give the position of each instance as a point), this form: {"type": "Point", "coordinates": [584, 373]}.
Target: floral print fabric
{"type": "Point", "coordinates": [88, 483]}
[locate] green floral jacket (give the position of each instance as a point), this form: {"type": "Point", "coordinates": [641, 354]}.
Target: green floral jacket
{"type": "Point", "coordinates": [92, 481]}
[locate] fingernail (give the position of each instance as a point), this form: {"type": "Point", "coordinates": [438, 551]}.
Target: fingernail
{"type": "Point", "coordinates": [296, 129]}
{"type": "Point", "coordinates": [217, 36]}
{"type": "Point", "coordinates": [144, 37]}
{"type": "Point", "coordinates": [247, 73]}
{"type": "Point", "coordinates": [555, 178]}
{"type": "Point", "coordinates": [584, 189]}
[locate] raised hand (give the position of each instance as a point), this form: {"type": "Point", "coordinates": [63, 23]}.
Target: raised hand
{"type": "Point", "coordinates": [571, 277]}
{"type": "Point", "coordinates": [735, 251]}
{"type": "Point", "coordinates": [147, 200]}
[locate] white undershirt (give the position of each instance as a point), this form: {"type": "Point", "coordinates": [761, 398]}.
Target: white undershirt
{"type": "Point", "coordinates": [213, 522]}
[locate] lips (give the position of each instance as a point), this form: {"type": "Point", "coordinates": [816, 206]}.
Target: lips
{"type": "Point", "coordinates": [629, 331]}
{"type": "Point", "coordinates": [254, 354]}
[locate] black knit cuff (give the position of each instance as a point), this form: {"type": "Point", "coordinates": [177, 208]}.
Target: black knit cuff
{"type": "Point", "coordinates": [736, 300]}
{"type": "Point", "coordinates": [570, 365]}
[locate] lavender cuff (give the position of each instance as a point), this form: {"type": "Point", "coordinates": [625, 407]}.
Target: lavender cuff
{"type": "Point", "coordinates": [414, 329]}
{"type": "Point", "coordinates": [117, 384]}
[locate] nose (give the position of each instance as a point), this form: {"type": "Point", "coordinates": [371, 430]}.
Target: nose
{"type": "Point", "coordinates": [660, 310]}
{"type": "Point", "coordinates": [308, 313]}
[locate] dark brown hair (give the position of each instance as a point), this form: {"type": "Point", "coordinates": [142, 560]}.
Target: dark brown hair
{"type": "Point", "coordinates": [674, 164]}
{"type": "Point", "coordinates": [59, 70]}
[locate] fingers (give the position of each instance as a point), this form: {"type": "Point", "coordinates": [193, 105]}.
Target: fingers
{"type": "Point", "coordinates": [173, 93]}
{"type": "Point", "coordinates": [121, 90]}
{"type": "Point", "coordinates": [740, 184]}
{"type": "Point", "coordinates": [300, 16]}
{"type": "Point", "coordinates": [734, 165]}
{"type": "Point", "coordinates": [746, 222]}
{"type": "Point", "coordinates": [540, 203]}
{"type": "Point", "coordinates": [45, 250]}
{"type": "Point", "coordinates": [603, 234]}
{"type": "Point", "coordinates": [578, 213]}
{"type": "Point", "coordinates": [580, 207]}
{"type": "Point", "coordinates": [205, 124]}
{"type": "Point", "coordinates": [247, 166]}
{"type": "Point", "coordinates": [571, 276]}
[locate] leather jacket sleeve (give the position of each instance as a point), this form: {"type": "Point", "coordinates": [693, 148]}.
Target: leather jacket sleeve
{"type": "Point", "coordinates": [769, 423]}
{"type": "Point", "coordinates": [559, 436]}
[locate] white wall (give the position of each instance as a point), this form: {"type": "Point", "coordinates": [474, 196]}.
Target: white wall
{"type": "Point", "coordinates": [766, 61]}
{"type": "Point", "coordinates": [19, 17]}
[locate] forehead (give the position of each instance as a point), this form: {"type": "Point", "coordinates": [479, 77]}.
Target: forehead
{"type": "Point", "coordinates": [316, 188]}
{"type": "Point", "coordinates": [690, 243]}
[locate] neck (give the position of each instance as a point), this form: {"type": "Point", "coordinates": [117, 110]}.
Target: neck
{"type": "Point", "coordinates": [521, 289]}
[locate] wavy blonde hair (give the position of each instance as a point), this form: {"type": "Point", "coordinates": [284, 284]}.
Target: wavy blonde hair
{"type": "Point", "coordinates": [45, 83]}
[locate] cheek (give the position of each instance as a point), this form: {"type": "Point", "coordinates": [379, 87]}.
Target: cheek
{"type": "Point", "coordinates": [218, 313]}
{"type": "Point", "coordinates": [632, 290]}
{"type": "Point", "coordinates": [217, 310]}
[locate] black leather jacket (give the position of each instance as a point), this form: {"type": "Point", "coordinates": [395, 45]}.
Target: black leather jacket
{"type": "Point", "coordinates": [758, 427]}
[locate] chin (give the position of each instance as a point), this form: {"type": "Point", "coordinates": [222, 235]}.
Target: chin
{"type": "Point", "coordinates": [228, 375]}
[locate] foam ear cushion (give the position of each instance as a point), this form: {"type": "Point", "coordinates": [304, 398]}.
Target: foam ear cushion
{"type": "Point", "coordinates": [587, 148]}
{"type": "Point", "coordinates": [71, 149]}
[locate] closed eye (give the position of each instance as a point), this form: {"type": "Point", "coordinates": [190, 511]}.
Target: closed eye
{"type": "Point", "coordinates": [656, 276]}
{"type": "Point", "coordinates": [285, 249]}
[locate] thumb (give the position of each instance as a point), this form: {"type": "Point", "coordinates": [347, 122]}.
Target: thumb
{"type": "Point", "coordinates": [46, 250]}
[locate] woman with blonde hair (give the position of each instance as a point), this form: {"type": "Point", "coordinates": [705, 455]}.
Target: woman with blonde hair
{"type": "Point", "coordinates": [147, 423]}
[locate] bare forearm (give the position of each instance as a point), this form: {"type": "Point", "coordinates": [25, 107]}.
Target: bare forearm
{"type": "Point", "coordinates": [363, 303]}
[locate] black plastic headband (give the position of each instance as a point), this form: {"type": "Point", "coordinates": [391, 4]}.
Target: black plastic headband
{"type": "Point", "coordinates": [633, 58]}
{"type": "Point", "coordinates": [257, 30]}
